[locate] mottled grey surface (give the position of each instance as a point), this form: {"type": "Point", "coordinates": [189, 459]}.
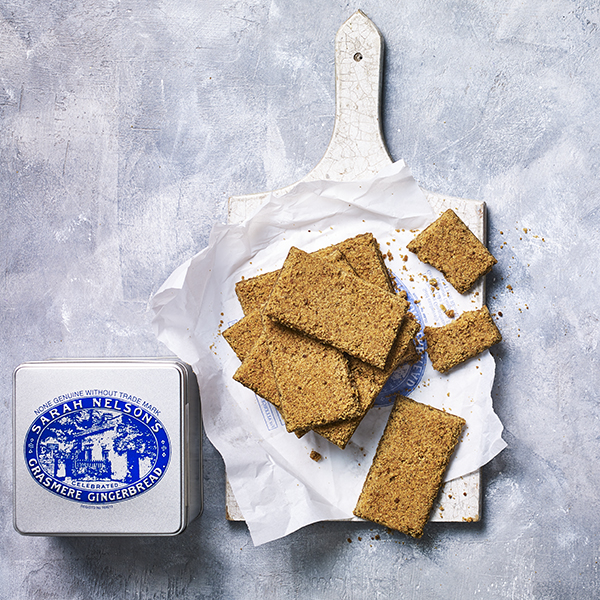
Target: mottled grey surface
{"type": "Point", "coordinates": [125, 125]}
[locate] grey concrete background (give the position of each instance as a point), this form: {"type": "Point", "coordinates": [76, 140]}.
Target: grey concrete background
{"type": "Point", "coordinates": [125, 126]}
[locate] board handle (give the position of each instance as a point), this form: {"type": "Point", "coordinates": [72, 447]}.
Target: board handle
{"type": "Point", "coordinates": [357, 149]}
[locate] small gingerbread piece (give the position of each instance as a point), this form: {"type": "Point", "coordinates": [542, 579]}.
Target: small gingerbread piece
{"type": "Point", "coordinates": [452, 248]}
{"type": "Point", "coordinates": [472, 333]}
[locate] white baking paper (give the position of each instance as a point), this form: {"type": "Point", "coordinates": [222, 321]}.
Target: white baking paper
{"type": "Point", "coordinates": [278, 487]}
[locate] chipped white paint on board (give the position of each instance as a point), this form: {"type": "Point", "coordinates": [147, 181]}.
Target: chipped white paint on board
{"type": "Point", "coordinates": [357, 151]}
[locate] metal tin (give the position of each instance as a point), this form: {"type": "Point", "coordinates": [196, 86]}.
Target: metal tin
{"type": "Point", "coordinates": [106, 447]}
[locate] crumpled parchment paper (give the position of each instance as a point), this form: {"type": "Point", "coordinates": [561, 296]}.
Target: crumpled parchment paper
{"type": "Point", "coordinates": [278, 487]}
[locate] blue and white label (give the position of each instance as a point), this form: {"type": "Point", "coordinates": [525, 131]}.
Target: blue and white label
{"type": "Point", "coordinates": [97, 450]}
{"type": "Point", "coordinates": [406, 377]}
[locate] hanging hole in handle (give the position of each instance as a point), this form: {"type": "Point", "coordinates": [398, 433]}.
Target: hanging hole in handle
{"type": "Point", "coordinates": [358, 57]}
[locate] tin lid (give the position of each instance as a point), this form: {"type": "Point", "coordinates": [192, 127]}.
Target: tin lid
{"type": "Point", "coordinates": [99, 447]}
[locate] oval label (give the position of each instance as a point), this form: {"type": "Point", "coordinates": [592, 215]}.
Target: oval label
{"type": "Point", "coordinates": [97, 450]}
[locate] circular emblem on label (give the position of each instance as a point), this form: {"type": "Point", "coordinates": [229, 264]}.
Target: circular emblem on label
{"type": "Point", "coordinates": [97, 450]}
{"type": "Point", "coordinates": [406, 377]}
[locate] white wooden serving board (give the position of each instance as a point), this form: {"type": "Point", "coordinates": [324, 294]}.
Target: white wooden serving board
{"type": "Point", "coordinates": [357, 151]}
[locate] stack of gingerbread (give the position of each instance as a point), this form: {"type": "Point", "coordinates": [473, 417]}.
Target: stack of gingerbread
{"type": "Point", "coordinates": [321, 336]}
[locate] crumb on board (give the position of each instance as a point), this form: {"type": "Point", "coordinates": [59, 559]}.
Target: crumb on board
{"type": "Point", "coordinates": [315, 455]}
